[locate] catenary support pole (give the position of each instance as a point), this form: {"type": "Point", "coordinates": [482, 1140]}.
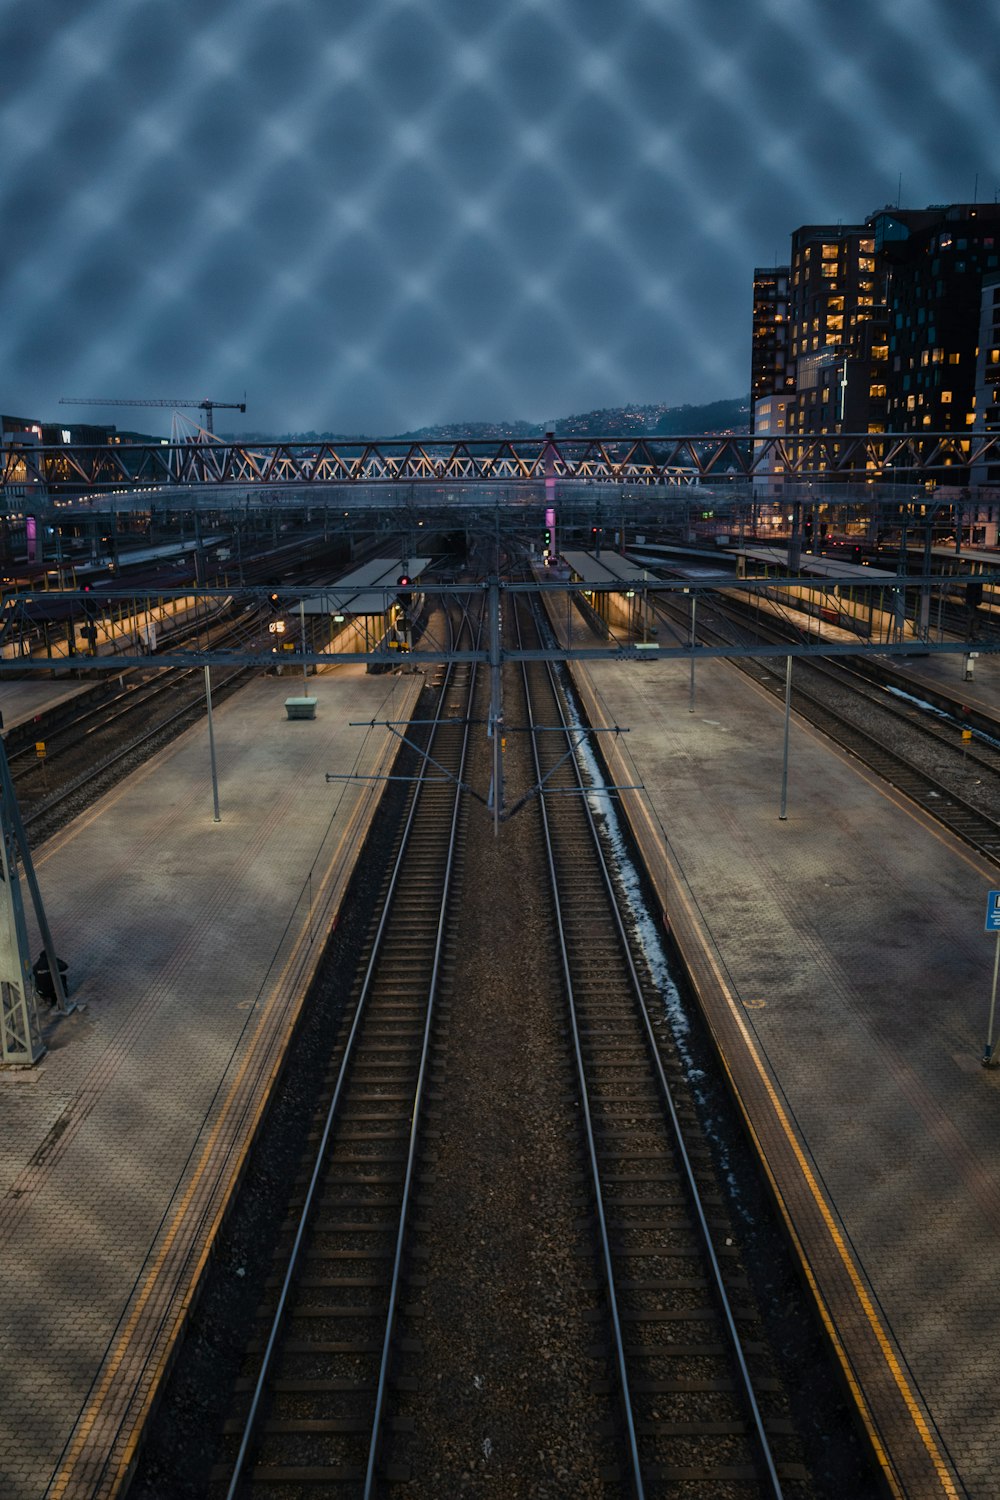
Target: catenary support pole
{"type": "Point", "coordinates": [784, 759]}
{"type": "Point", "coordinates": [988, 1049]}
{"type": "Point", "coordinates": [21, 1042]}
{"type": "Point", "coordinates": [496, 701]}
{"type": "Point", "coordinates": [216, 818]}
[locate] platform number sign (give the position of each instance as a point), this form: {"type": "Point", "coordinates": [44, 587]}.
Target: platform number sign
{"type": "Point", "coordinates": [993, 912]}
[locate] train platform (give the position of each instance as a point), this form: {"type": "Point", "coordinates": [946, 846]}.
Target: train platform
{"type": "Point", "coordinates": [841, 959]}
{"type": "Point", "coordinates": [973, 680]}
{"type": "Point", "coordinates": [21, 701]}
{"type": "Point", "coordinates": [190, 943]}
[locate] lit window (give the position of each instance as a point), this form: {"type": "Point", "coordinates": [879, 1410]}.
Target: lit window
{"type": "Point", "coordinates": [830, 252]}
{"type": "Point", "coordinates": [877, 390]}
{"type": "Point", "coordinates": [911, 402]}
{"type": "Point", "coordinates": [829, 269]}
{"type": "Point", "coordinates": [880, 351]}
{"type": "Point", "coordinates": [954, 359]}
{"type": "Point", "coordinates": [946, 397]}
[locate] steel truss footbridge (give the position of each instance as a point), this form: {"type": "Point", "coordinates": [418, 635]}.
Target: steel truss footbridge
{"type": "Point", "coordinates": [656, 462]}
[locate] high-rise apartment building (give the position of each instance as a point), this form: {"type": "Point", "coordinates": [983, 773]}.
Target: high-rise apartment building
{"type": "Point", "coordinates": [836, 345]}
{"type": "Point", "coordinates": [888, 328]}
{"type": "Point", "coordinates": [833, 374]}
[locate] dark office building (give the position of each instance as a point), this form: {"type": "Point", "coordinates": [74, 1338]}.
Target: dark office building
{"type": "Point", "coordinates": [936, 259]}
{"type": "Point", "coordinates": [769, 357]}
{"type": "Point", "coordinates": [987, 420]}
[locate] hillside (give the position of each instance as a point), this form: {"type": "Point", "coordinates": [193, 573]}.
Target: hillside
{"type": "Point", "coordinates": [612, 421]}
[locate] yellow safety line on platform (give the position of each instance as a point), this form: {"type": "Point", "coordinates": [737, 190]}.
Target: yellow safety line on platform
{"type": "Point", "coordinates": [90, 1417]}
{"type": "Point", "coordinates": [819, 1197]}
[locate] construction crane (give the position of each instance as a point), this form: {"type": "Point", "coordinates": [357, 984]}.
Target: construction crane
{"type": "Point", "coordinates": [206, 406]}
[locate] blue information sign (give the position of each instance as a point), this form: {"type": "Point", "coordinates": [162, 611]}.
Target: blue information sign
{"type": "Point", "coordinates": [993, 912]}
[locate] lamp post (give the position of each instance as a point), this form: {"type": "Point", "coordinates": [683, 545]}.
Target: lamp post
{"type": "Point", "coordinates": [691, 693]}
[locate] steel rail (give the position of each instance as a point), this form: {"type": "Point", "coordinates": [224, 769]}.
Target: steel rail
{"type": "Point", "coordinates": [330, 1120]}
{"type": "Point", "coordinates": [415, 1122]}
{"type": "Point", "coordinates": [107, 715]}
{"type": "Point", "coordinates": [609, 1276]}
{"type": "Point", "coordinates": [666, 1094]}
{"type": "Point", "coordinates": [932, 794]}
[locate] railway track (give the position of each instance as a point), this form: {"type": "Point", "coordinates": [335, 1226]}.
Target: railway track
{"type": "Point", "coordinates": [88, 746]}
{"type": "Point", "coordinates": [934, 793]}
{"type": "Point", "coordinates": [682, 1337]}
{"type": "Point", "coordinates": [337, 1316]}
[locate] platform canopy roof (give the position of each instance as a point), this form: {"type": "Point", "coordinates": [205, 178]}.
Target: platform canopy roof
{"type": "Point", "coordinates": [609, 568]}
{"type": "Point", "coordinates": [364, 591]}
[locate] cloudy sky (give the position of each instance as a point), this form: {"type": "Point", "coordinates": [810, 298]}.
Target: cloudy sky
{"type": "Point", "coordinates": [370, 215]}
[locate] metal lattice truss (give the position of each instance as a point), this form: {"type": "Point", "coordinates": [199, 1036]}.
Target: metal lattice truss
{"type": "Point", "coordinates": [638, 461]}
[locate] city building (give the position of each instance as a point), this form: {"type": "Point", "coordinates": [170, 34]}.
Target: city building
{"type": "Point", "coordinates": [985, 477]}
{"type": "Point", "coordinates": [935, 261]}
{"type": "Point", "coordinates": [769, 357]}
{"type": "Point", "coordinates": [890, 327]}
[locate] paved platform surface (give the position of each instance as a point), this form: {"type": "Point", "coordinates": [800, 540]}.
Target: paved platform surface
{"type": "Point", "coordinates": [842, 958]}
{"type": "Point", "coordinates": [20, 701]}
{"type": "Point", "coordinates": [189, 942]}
